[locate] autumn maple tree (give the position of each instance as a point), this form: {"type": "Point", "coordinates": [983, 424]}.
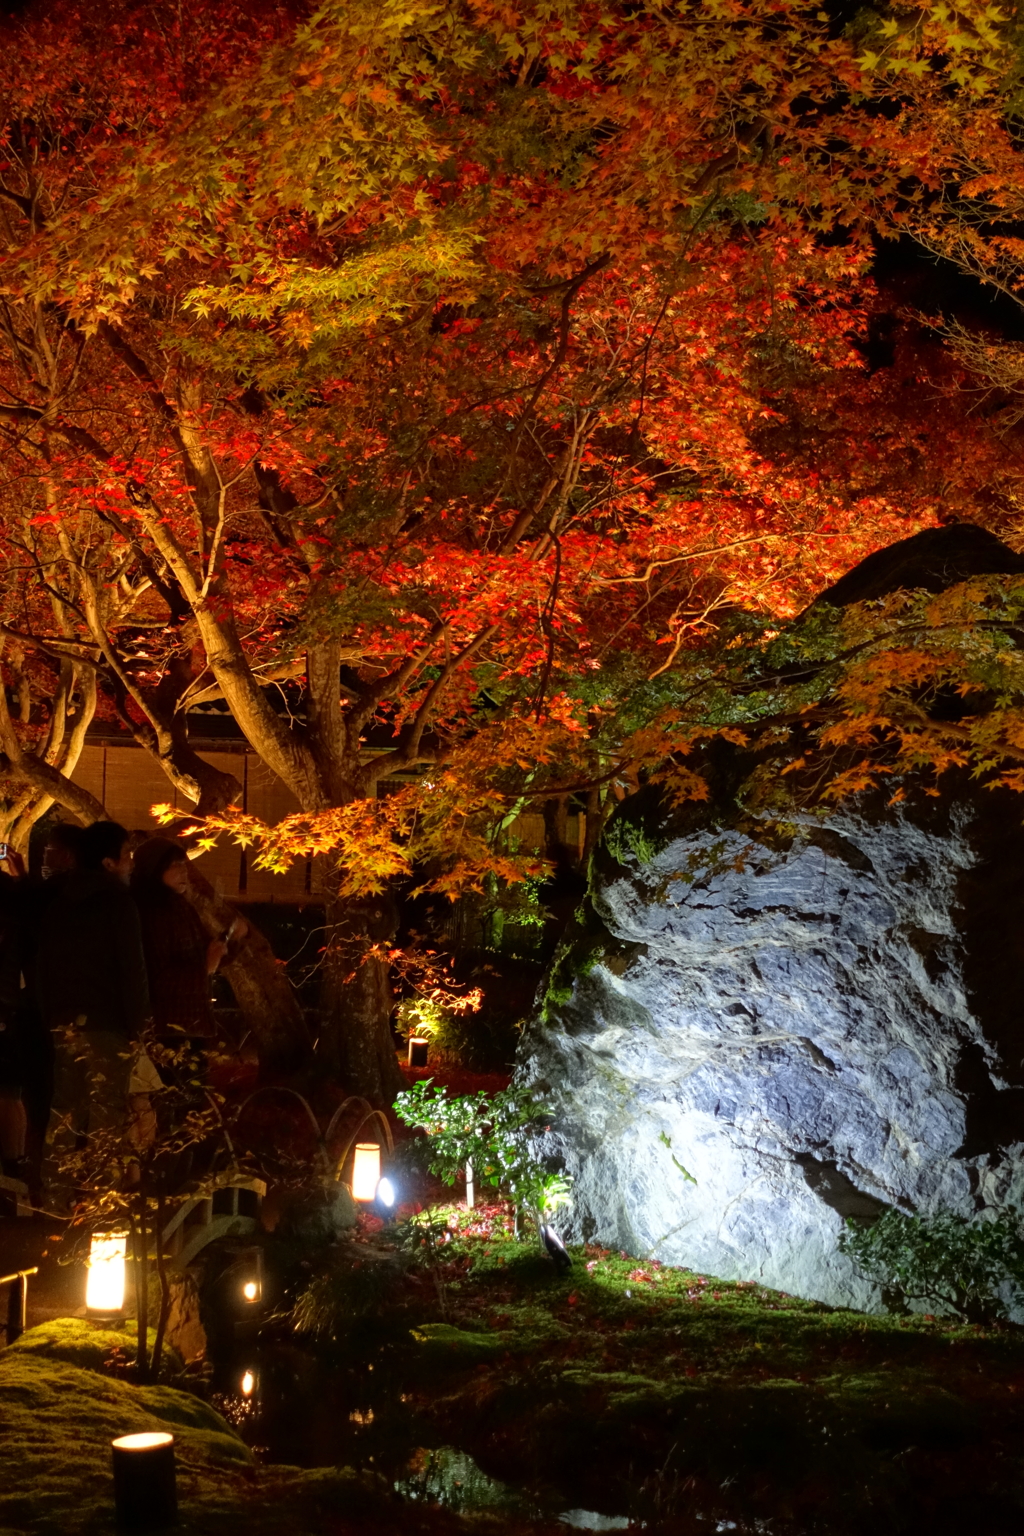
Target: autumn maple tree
{"type": "Point", "coordinates": [426, 383]}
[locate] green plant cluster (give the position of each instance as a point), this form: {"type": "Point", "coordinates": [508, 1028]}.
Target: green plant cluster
{"type": "Point", "coordinates": [626, 841]}
{"type": "Point", "coordinates": [345, 1296]}
{"type": "Point", "coordinates": [950, 1264]}
{"type": "Point", "coordinates": [424, 1017]}
{"type": "Point", "coordinates": [494, 1133]}
{"type": "Point", "coordinates": [481, 1042]}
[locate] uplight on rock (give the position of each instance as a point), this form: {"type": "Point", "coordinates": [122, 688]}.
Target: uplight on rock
{"type": "Point", "coordinates": [104, 1281]}
{"type": "Point", "coordinates": [365, 1170]}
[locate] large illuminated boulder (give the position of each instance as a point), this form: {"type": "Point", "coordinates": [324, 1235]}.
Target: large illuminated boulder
{"type": "Point", "coordinates": [747, 1040]}
{"type": "Point", "coordinates": [760, 1027]}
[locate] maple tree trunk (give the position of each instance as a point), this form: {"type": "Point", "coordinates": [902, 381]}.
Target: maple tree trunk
{"type": "Point", "coordinates": [259, 981]}
{"type": "Point", "coordinates": [556, 832]}
{"type": "Point", "coordinates": [598, 811]}
{"type": "Point", "coordinates": [355, 1046]}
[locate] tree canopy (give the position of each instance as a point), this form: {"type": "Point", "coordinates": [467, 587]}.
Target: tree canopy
{"type": "Point", "coordinates": [432, 383]}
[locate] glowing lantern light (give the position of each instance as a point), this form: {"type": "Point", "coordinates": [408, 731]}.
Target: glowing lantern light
{"type": "Point", "coordinates": [248, 1384]}
{"type": "Point", "coordinates": [365, 1170]}
{"type": "Point", "coordinates": [145, 1495]}
{"type": "Point", "coordinates": [418, 1051]}
{"type": "Point", "coordinates": [251, 1266]}
{"type": "Point", "coordinates": [104, 1282]}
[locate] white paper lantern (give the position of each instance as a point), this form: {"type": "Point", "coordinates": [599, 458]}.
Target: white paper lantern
{"type": "Point", "coordinates": [104, 1283]}
{"type": "Point", "coordinates": [365, 1170]}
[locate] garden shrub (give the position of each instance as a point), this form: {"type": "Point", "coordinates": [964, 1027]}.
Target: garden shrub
{"type": "Point", "coordinates": [971, 1268]}
{"type": "Point", "coordinates": [481, 1042]}
{"type": "Point", "coordinates": [496, 1133]}
{"type": "Point", "coordinates": [346, 1296]}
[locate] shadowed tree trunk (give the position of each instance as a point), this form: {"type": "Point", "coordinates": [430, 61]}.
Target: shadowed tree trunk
{"type": "Point", "coordinates": [259, 981]}
{"type": "Point", "coordinates": [356, 1001]}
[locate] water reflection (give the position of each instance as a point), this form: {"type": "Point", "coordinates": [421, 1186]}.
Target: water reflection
{"type": "Point", "coordinates": [449, 1477]}
{"type": "Point", "coordinates": [590, 1520]}
{"type": "Point", "coordinates": [293, 1408]}
{"type": "Point", "coordinates": [452, 1479]}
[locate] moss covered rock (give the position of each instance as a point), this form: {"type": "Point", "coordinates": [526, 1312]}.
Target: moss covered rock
{"type": "Point", "coordinates": [78, 1341]}
{"type": "Point", "coordinates": [59, 1413]}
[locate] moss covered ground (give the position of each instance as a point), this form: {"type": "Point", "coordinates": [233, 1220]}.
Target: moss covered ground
{"type": "Point", "coordinates": [60, 1409]}
{"type": "Point", "coordinates": [686, 1403]}
{"type": "Point", "coordinates": [673, 1395]}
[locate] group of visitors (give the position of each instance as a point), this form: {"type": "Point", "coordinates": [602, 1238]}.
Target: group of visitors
{"type": "Point", "coordinates": [106, 950]}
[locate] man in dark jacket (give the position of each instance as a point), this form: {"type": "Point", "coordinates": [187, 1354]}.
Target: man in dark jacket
{"type": "Point", "coordinates": [92, 979]}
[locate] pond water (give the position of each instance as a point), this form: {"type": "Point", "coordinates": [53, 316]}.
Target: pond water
{"type": "Point", "coordinates": [294, 1408]}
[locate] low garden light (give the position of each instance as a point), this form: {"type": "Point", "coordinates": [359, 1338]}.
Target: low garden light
{"type": "Point", "coordinates": [104, 1282]}
{"type": "Point", "coordinates": [248, 1383]}
{"type": "Point", "coordinates": [366, 1170]}
{"type": "Point", "coordinates": [418, 1048]}
{"type": "Point", "coordinates": [145, 1492]}
{"type": "Point", "coordinates": [252, 1283]}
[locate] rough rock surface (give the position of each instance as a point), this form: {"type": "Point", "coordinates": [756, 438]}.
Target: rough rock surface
{"type": "Point", "coordinates": [751, 1035]}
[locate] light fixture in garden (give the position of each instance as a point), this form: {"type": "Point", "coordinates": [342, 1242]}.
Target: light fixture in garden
{"type": "Point", "coordinates": [251, 1266]}
{"type": "Point", "coordinates": [247, 1385]}
{"type": "Point", "coordinates": [104, 1281]}
{"type": "Point", "coordinates": [366, 1170]}
{"type": "Point", "coordinates": [385, 1193]}
{"type": "Point", "coordinates": [418, 1049]}
{"type": "Point", "coordinates": [145, 1492]}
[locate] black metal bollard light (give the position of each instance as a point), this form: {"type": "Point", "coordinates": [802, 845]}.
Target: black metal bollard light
{"type": "Point", "coordinates": [145, 1492]}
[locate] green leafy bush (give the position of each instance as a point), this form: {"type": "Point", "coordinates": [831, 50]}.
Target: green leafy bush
{"type": "Point", "coordinates": [482, 1042]}
{"type": "Point", "coordinates": [496, 1134]}
{"type": "Point", "coordinates": [424, 1017]}
{"type": "Point", "coordinates": [346, 1297]}
{"type": "Point", "coordinates": [954, 1266]}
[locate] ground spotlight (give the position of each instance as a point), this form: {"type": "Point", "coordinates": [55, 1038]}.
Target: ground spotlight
{"type": "Point", "coordinates": [385, 1193]}
{"type": "Point", "coordinates": [555, 1248]}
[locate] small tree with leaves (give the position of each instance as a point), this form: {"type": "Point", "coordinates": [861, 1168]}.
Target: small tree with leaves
{"type": "Point", "coordinates": [135, 1170]}
{"type": "Point", "coordinates": [496, 1134]}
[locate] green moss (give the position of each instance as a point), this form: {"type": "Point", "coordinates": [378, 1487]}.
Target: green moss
{"type": "Point", "coordinates": [618, 1329]}
{"type": "Point", "coordinates": [78, 1341]}
{"type": "Point", "coordinates": [58, 1420]}
{"type": "Point", "coordinates": [559, 989]}
{"type": "Point", "coordinates": [457, 1345]}
{"type": "Point", "coordinates": [572, 961]}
